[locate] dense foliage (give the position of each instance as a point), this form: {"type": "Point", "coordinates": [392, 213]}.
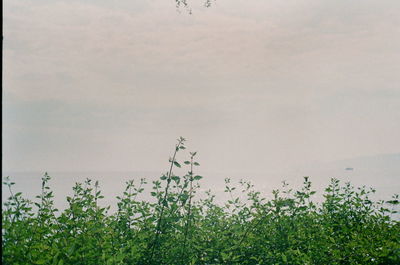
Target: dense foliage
{"type": "Point", "coordinates": [175, 228]}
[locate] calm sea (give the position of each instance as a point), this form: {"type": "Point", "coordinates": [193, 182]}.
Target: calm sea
{"type": "Point", "coordinates": [384, 180]}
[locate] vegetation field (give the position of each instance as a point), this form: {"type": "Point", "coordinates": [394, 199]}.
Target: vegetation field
{"type": "Point", "coordinates": [179, 228]}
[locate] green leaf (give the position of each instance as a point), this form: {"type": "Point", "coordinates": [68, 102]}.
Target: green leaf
{"type": "Point", "coordinates": [284, 258]}
{"type": "Point", "coordinates": [184, 197]}
{"type": "Point", "coordinates": [41, 261]}
{"type": "Point", "coordinates": [196, 164]}
{"type": "Point", "coordinates": [177, 164]}
{"type": "Point", "coordinates": [175, 178]}
{"type": "Point", "coordinates": [197, 177]}
{"type": "Point", "coordinates": [187, 162]}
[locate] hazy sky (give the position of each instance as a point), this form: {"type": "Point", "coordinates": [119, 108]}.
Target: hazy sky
{"type": "Point", "coordinates": [253, 85]}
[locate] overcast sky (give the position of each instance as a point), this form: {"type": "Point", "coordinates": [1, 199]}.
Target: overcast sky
{"type": "Point", "coordinates": [109, 85]}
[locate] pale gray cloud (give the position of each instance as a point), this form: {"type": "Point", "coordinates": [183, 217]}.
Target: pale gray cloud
{"type": "Point", "coordinates": [111, 84]}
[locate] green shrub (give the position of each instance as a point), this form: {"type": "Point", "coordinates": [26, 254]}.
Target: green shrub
{"type": "Point", "coordinates": [174, 228]}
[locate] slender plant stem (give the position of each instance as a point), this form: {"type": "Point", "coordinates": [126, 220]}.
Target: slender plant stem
{"type": "Point", "coordinates": [163, 202]}
{"type": "Point", "coordinates": [189, 209]}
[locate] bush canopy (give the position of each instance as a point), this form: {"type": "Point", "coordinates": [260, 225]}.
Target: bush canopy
{"type": "Point", "coordinates": [179, 228]}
